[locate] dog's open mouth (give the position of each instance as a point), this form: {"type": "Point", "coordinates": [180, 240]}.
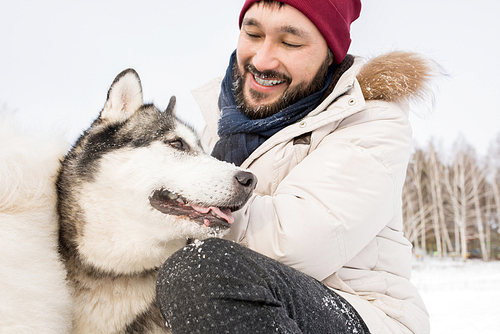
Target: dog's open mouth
{"type": "Point", "coordinates": [170, 203]}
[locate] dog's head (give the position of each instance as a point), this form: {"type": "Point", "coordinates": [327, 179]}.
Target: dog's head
{"type": "Point", "coordinates": [137, 185]}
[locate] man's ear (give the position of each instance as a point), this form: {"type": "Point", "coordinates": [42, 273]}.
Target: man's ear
{"type": "Point", "coordinates": [330, 56]}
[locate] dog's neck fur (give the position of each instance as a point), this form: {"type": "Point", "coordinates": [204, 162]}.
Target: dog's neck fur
{"type": "Point", "coordinates": [129, 296]}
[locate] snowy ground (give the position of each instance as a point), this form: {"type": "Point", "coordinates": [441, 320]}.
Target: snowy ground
{"type": "Point", "coordinates": [460, 297]}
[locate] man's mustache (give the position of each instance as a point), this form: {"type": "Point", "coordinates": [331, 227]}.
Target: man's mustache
{"type": "Point", "coordinates": [268, 74]}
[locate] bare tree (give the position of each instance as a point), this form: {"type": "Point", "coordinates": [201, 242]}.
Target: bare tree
{"type": "Point", "coordinates": [460, 200]}
{"type": "Point", "coordinates": [436, 172]}
{"type": "Point", "coordinates": [414, 208]}
{"type": "Point", "coordinates": [477, 177]}
{"type": "Point", "coordinates": [453, 180]}
{"type": "Point", "coordinates": [494, 180]}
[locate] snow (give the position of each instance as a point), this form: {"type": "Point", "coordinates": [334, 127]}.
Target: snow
{"type": "Point", "coordinates": [461, 297]}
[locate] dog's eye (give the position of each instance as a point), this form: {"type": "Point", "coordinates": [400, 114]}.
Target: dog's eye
{"type": "Point", "coordinates": [178, 144]}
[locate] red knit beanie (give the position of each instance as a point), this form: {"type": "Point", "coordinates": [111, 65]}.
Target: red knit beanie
{"type": "Point", "coordinates": [333, 19]}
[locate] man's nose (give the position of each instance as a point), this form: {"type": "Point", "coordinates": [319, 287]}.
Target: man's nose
{"type": "Point", "coordinates": [265, 57]}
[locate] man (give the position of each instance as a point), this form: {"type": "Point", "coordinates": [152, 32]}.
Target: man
{"type": "Point", "coordinates": [329, 141]}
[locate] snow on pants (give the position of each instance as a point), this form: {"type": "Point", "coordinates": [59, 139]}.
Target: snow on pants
{"type": "Point", "coordinates": [216, 286]}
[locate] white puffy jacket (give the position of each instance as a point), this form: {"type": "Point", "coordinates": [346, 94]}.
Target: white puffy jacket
{"type": "Point", "coordinates": [328, 199]}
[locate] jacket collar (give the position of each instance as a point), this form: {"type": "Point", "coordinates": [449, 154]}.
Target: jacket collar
{"type": "Point", "coordinates": [347, 85]}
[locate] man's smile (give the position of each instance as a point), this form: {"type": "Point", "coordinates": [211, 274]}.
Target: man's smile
{"type": "Point", "coordinates": [266, 79]}
{"type": "Point", "coordinates": [267, 82]}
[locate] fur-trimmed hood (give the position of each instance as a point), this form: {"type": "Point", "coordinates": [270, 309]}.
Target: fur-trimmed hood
{"type": "Point", "coordinates": [398, 77]}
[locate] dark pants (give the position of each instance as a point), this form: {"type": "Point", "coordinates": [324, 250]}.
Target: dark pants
{"type": "Point", "coordinates": [217, 286]}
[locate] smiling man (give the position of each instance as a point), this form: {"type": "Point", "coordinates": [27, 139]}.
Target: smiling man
{"type": "Point", "coordinates": [278, 63]}
{"type": "Point", "coordinates": [319, 247]}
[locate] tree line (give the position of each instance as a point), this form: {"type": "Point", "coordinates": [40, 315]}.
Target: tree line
{"type": "Point", "coordinates": [451, 204]}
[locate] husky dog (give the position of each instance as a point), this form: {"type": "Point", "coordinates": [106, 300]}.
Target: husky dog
{"type": "Point", "coordinates": [135, 188]}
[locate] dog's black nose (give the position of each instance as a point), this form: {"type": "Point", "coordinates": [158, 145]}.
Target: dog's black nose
{"type": "Point", "coordinates": [246, 179]}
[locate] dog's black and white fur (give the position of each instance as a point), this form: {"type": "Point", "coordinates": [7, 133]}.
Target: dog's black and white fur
{"type": "Point", "coordinates": [135, 188]}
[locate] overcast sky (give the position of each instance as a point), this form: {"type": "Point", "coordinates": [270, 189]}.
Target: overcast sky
{"type": "Point", "coordinates": [58, 58]}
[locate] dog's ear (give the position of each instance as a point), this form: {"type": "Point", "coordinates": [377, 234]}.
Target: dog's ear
{"type": "Point", "coordinates": [171, 106]}
{"type": "Point", "coordinates": [124, 97]}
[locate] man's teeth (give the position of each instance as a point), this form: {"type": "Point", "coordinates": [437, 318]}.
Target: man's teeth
{"type": "Point", "coordinates": [267, 82]}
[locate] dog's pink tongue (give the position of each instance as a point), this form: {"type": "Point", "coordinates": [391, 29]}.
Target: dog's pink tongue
{"type": "Point", "coordinates": [224, 213]}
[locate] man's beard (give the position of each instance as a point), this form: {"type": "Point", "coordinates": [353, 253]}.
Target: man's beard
{"type": "Point", "coordinates": [290, 96]}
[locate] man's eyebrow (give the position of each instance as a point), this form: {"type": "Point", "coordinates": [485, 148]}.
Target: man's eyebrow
{"type": "Point", "coordinates": [294, 31]}
{"type": "Point", "coordinates": [250, 22]}
{"type": "Point", "coordinates": [289, 29]}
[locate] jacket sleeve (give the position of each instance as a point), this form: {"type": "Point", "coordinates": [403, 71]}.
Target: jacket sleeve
{"type": "Point", "coordinates": [333, 203]}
